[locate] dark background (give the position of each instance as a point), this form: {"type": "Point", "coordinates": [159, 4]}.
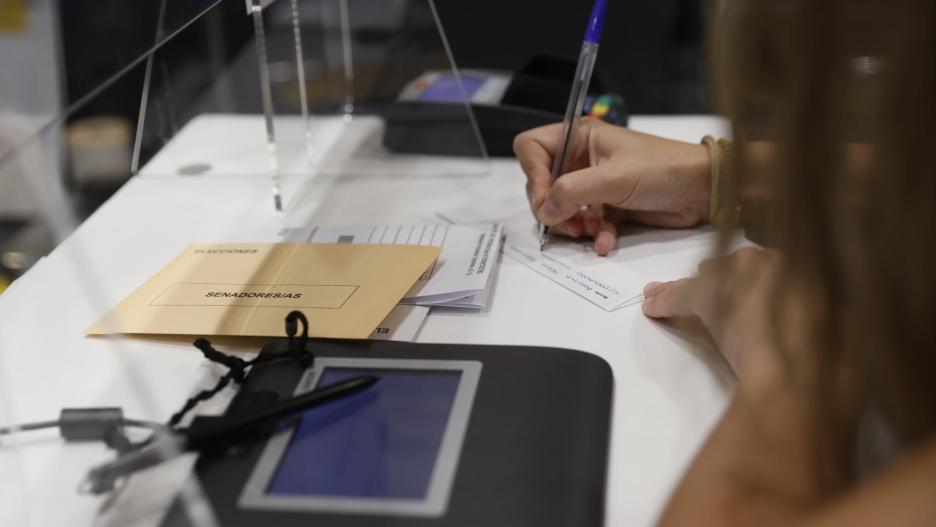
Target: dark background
{"type": "Point", "coordinates": [651, 51]}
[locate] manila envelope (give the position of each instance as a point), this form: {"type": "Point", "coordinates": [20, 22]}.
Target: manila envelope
{"type": "Point", "coordinates": [248, 289]}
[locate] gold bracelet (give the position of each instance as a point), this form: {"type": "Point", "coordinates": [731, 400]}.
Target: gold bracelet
{"type": "Point", "coordinates": [721, 213]}
{"type": "Point", "coordinates": [714, 172]}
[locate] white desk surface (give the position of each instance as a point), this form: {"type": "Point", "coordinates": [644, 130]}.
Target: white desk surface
{"type": "Point", "coordinates": [668, 394]}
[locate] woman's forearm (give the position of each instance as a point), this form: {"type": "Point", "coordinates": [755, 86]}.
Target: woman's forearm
{"type": "Point", "coordinates": [759, 465]}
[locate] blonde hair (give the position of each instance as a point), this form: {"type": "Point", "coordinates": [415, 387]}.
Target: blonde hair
{"type": "Point", "coordinates": [844, 92]}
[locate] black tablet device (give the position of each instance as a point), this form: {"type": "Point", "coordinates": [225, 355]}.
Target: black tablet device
{"type": "Point", "coordinates": [450, 436]}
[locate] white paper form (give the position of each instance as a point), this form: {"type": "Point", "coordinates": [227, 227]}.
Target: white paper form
{"type": "Point", "coordinates": [402, 324]}
{"type": "Point", "coordinates": [571, 264]}
{"type": "Point", "coordinates": [460, 277]}
{"type": "Point", "coordinates": [597, 286]}
{"type": "Point", "coordinates": [610, 282]}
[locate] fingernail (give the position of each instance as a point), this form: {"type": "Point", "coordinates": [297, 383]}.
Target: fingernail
{"type": "Point", "coordinates": [607, 240]}
{"type": "Point", "coordinates": [651, 287]}
{"type": "Point", "coordinates": [549, 212]}
{"type": "Point", "coordinates": [647, 307]}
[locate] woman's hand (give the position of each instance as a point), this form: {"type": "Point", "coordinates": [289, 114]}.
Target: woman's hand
{"type": "Point", "coordinates": [621, 174]}
{"type": "Point", "coordinates": [776, 456]}
{"type": "Point", "coordinates": [731, 296]}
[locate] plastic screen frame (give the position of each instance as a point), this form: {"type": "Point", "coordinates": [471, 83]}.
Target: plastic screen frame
{"type": "Point", "coordinates": [434, 504]}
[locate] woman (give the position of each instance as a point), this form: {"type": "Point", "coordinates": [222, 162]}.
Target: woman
{"type": "Point", "coordinates": [832, 332]}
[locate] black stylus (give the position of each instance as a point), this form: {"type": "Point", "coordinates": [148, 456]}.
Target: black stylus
{"type": "Point", "coordinates": [210, 434]}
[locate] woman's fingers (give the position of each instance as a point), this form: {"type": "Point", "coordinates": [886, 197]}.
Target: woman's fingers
{"type": "Point", "coordinates": [671, 299]}
{"type": "Point", "coordinates": [606, 238]}
{"type": "Point", "coordinates": [720, 278]}
{"type": "Point", "coordinates": [573, 227]}
{"type": "Point", "coordinates": [536, 151]}
{"type": "Point", "coordinates": [595, 223]}
{"type": "Point", "coordinates": [588, 186]}
{"type": "Point", "coordinates": [532, 150]}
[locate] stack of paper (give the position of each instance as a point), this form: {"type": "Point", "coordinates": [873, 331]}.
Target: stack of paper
{"type": "Point", "coordinates": [460, 278]}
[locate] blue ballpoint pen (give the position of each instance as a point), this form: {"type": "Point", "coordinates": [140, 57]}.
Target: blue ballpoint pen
{"type": "Point", "coordinates": [583, 74]}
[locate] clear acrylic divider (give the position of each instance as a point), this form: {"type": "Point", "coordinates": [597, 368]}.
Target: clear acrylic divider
{"type": "Point", "coordinates": [365, 60]}
{"type": "Point", "coordinates": [325, 89]}
{"type": "Point", "coordinates": [40, 475]}
{"type": "Point", "coordinates": [31, 36]}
